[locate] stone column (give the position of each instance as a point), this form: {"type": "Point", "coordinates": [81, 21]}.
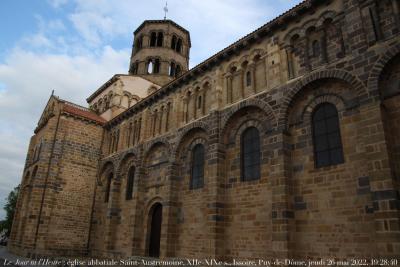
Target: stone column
{"type": "Point", "coordinates": [229, 96]}
{"type": "Point", "coordinates": [375, 21]}
{"type": "Point", "coordinates": [282, 212]}
{"type": "Point", "coordinates": [254, 76]}
{"type": "Point", "coordinates": [113, 213]}
{"type": "Point", "coordinates": [307, 53]}
{"type": "Point", "coordinates": [341, 40]}
{"type": "Point", "coordinates": [215, 198]}
{"type": "Point", "coordinates": [385, 197]}
{"type": "Point", "coordinates": [167, 116]}
{"type": "Point", "coordinates": [396, 12]}
{"type": "Point", "coordinates": [161, 120]}
{"type": "Point", "coordinates": [185, 109]}
{"type": "Point", "coordinates": [242, 82]}
{"type": "Point", "coordinates": [154, 123]}
{"type": "Point", "coordinates": [194, 99]}
{"type": "Point", "coordinates": [138, 131]}
{"type": "Point", "coordinates": [170, 221]}
{"type": "Point", "coordinates": [138, 215]}
{"type": "Point", "coordinates": [323, 42]}
{"type": "Point", "coordinates": [203, 101]}
{"type": "Point", "coordinates": [289, 61]}
{"type": "Point", "coordinates": [134, 134]}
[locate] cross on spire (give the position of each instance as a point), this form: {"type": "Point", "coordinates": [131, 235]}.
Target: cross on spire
{"type": "Point", "coordinates": [165, 10]}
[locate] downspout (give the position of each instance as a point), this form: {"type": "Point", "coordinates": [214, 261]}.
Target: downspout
{"type": "Point", "coordinates": [45, 181]}
{"type": "Point", "coordinates": [94, 193]}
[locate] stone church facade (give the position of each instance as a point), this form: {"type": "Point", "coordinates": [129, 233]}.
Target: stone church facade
{"type": "Point", "coordinates": [285, 144]}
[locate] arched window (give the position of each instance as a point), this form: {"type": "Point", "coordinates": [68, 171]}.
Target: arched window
{"type": "Point", "coordinates": [108, 187]}
{"type": "Point", "coordinates": [172, 69]}
{"type": "Point", "coordinates": [326, 136]}
{"type": "Point", "coordinates": [34, 154]}
{"type": "Point", "coordinates": [129, 183]}
{"type": "Point", "coordinates": [139, 43]}
{"type": "Point", "coordinates": [173, 42]}
{"type": "Point", "coordinates": [250, 153]}
{"type": "Point", "coordinates": [34, 173]}
{"type": "Point", "coordinates": [156, 66]}
{"type": "Point", "coordinates": [179, 46]}
{"type": "Point", "coordinates": [315, 48]}
{"type": "Point", "coordinates": [26, 178]}
{"type": "Point", "coordinates": [199, 101]}
{"type": "Point", "coordinates": [150, 66]}
{"type": "Point", "coordinates": [39, 149]}
{"type": "Point", "coordinates": [197, 167]}
{"type": "Point", "coordinates": [107, 102]}
{"type": "Point", "coordinates": [136, 68]}
{"type": "Point", "coordinates": [248, 78]}
{"type": "Point", "coordinates": [153, 39]}
{"type": "Point", "coordinates": [160, 39]}
{"type": "Point", "coordinates": [177, 71]}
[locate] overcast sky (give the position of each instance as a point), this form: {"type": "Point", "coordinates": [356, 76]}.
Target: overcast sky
{"type": "Point", "coordinates": [74, 46]}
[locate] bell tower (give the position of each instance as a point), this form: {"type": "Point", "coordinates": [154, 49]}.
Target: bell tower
{"type": "Point", "coordinates": [160, 51]}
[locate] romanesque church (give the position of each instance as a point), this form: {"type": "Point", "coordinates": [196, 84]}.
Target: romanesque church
{"type": "Point", "coordinates": [285, 144]}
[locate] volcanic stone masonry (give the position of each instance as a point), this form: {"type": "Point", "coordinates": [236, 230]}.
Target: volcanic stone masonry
{"type": "Point", "coordinates": [285, 144]}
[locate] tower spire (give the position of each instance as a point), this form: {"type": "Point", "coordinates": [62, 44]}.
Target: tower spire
{"type": "Point", "coordinates": [165, 10]}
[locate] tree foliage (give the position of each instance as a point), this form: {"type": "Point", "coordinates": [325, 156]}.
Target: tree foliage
{"type": "Point", "coordinates": [9, 207]}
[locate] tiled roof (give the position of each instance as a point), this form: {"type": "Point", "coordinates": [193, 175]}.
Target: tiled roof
{"type": "Point", "coordinates": [82, 112]}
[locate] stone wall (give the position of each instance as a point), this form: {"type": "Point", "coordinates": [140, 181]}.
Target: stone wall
{"type": "Point", "coordinates": [54, 208]}
{"type": "Point", "coordinates": [274, 84]}
{"type": "Point", "coordinates": [340, 52]}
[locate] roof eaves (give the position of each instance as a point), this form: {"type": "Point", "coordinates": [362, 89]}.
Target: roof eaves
{"type": "Point", "coordinates": [221, 55]}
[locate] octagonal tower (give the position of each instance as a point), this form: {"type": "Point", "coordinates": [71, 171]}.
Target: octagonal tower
{"type": "Point", "coordinates": [160, 51]}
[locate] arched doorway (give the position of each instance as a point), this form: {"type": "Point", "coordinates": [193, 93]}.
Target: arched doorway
{"type": "Point", "coordinates": [155, 217]}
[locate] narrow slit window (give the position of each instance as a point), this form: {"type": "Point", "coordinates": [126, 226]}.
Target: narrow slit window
{"type": "Point", "coordinates": [129, 183]}
{"type": "Point", "coordinates": [248, 78]}
{"type": "Point", "coordinates": [156, 66]}
{"type": "Point", "coordinates": [160, 39]}
{"type": "Point", "coordinates": [199, 102]}
{"type": "Point", "coordinates": [316, 49]}
{"type": "Point", "coordinates": [150, 67]}
{"type": "Point", "coordinates": [108, 188]}
{"type": "Point", "coordinates": [173, 42]}
{"type": "Point", "coordinates": [197, 179]}
{"type": "Point", "coordinates": [153, 39]}
{"type": "Point", "coordinates": [179, 46]}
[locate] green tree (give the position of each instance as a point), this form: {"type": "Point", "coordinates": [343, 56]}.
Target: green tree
{"type": "Point", "coordinates": [9, 207]}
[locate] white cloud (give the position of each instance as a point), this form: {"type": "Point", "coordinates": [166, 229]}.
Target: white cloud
{"type": "Point", "coordinates": [28, 79]}
{"type": "Point", "coordinates": [94, 27]}
{"type": "Point", "coordinates": [213, 24]}
{"type": "Point", "coordinates": [57, 3]}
